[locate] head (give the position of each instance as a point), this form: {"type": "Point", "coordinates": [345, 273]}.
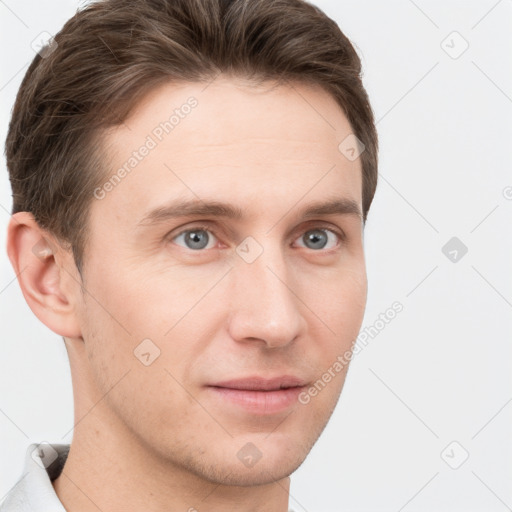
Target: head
{"type": "Point", "coordinates": [191, 180]}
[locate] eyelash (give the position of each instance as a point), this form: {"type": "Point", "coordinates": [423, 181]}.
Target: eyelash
{"type": "Point", "coordinates": [340, 235]}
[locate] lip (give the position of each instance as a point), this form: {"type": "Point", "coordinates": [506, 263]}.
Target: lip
{"type": "Point", "coordinates": [258, 395]}
{"type": "Point", "coordinates": [257, 383]}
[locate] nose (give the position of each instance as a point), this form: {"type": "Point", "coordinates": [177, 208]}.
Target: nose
{"type": "Point", "coordinates": [264, 304]}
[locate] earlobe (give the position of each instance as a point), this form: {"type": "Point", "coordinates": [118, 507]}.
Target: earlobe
{"type": "Point", "coordinates": [38, 261]}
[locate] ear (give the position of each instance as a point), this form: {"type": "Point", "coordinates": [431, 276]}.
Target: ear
{"type": "Point", "coordinates": [47, 274]}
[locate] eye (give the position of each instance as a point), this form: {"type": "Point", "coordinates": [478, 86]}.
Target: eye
{"type": "Point", "coordinates": [196, 238]}
{"type": "Point", "coordinates": [202, 237]}
{"type": "Point", "coordinates": [319, 238]}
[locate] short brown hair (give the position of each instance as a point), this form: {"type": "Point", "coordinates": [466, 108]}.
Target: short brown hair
{"type": "Point", "coordinates": [113, 52]}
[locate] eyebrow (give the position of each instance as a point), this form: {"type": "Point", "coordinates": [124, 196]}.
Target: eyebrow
{"type": "Point", "coordinates": [190, 208]}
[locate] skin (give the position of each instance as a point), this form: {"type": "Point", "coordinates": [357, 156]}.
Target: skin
{"type": "Point", "coordinates": [159, 437]}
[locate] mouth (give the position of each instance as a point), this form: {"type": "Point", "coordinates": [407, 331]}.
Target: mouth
{"type": "Point", "coordinates": [258, 395]}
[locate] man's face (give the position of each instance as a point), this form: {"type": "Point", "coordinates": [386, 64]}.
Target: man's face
{"type": "Point", "coordinates": [269, 293]}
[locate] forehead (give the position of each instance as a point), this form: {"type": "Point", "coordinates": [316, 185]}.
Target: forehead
{"type": "Point", "coordinates": [232, 100]}
{"type": "Point", "coordinates": [229, 140]}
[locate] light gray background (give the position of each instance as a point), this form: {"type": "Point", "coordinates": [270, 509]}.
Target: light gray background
{"type": "Point", "coordinates": [441, 370]}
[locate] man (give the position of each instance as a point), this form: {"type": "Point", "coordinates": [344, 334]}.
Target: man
{"type": "Point", "coordinates": [191, 180]}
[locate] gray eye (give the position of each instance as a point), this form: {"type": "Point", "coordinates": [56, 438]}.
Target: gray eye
{"type": "Point", "coordinates": [195, 239]}
{"type": "Point", "coordinates": [318, 238]}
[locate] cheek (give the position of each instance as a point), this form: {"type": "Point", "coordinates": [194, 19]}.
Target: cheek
{"type": "Point", "coordinates": [342, 302]}
{"type": "Point", "coordinates": [141, 317]}
{"type": "Point", "coordinates": [149, 298]}
{"type": "Point", "coordinates": [354, 292]}
{"type": "Point", "coordinates": [342, 307]}
{"type": "Point", "coordinates": [124, 306]}
{"type": "Point", "coordinates": [115, 321]}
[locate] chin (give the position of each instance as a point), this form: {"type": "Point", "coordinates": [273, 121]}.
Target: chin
{"type": "Point", "coordinates": [247, 467]}
{"type": "Point", "coordinates": [262, 473]}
